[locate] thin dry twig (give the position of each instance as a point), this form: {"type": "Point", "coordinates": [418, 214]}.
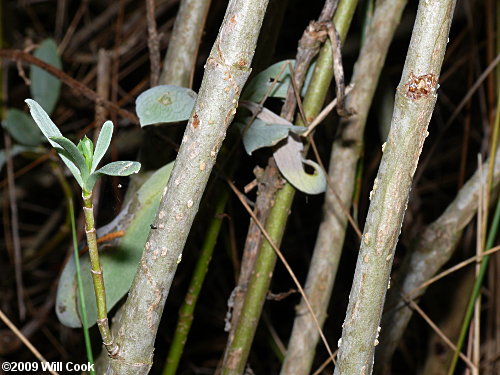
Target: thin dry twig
{"type": "Point", "coordinates": [338, 70]}
{"type": "Point", "coordinates": [25, 341]}
{"type": "Point", "coordinates": [443, 337]}
{"type": "Point", "coordinates": [449, 271]}
{"type": "Point", "coordinates": [280, 255]}
{"type": "Point", "coordinates": [17, 55]}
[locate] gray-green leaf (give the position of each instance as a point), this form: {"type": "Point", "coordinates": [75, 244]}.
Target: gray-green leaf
{"type": "Point", "coordinates": [261, 134]}
{"type": "Point", "coordinates": [102, 144]}
{"type": "Point", "coordinates": [165, 103]}
{"type": "Point", "coordinates": [120, 168]}
{"type": "Point", "coordinates": [49, 129]}
{"type": "Point", "coordinates": [291, 165]}
{"type": "Point", "coordinates": [22, 128]}
{"type": "Point", "coordinates": [45, 88]}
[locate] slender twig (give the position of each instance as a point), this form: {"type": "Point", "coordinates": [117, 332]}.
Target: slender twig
{"type": "Point", "coordinates": [324, 113]}
{"type": "Point", "coordinates": [18, 55]}
{"type": "Point", "coordinates": [450, 270]}
{"type": "Point", "coordinates": [440, 333]}
{"type": "Point", "coordinates": [25, 341]}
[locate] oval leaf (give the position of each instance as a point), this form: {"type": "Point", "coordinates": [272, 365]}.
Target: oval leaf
{"type": "Point", "coordinates": [261, 134]}
{"type": "Point", "coordinates": [119, 264]}
{"type": "Point", "coordinates": [291, 165]}
{"type": "Point", "coordinates": [45, 88]}
{"type": "Point", "coordinates": [49, 129]}
{"type": "Point", "coordinates": [166, 103]}
{"type": "Point", "coordinates": [102, 144]}
{"type": "Point", "coordinates": [22, 128]}
{"type": "Point", "coordinates": [120, 168]}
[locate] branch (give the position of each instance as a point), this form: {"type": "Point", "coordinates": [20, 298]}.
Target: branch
{"type": "Point", "coordinates": [226, 72]}
{"type": "Point", "coordinates": [344, 157]}
{"type": "Point", "coordinates": [415, 100]}
{"type": "Point", "coordinates": [178, 67]}
{"type": "Point", "coordinates": [431, 250]}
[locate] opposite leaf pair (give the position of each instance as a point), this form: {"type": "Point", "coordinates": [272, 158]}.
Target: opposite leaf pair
{"type": "Point", "coordinates": [82, 160]}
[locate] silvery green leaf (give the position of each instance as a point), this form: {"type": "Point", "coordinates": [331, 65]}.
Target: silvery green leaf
{"type": "Point", "coordinates": [102, 144]}
{"type": "Point", "coordinates": [120, 168]}
{"type": "Point", "coordinates": [45, 88]}
{"type": "Point", "coordinates": [73, 154]}
{"type": "Point", "coordinates": [42, 119]}
{"type": "Point", "coordinates": [22, 128]}
{"type": "Point", "coordinates": [290, 162]}
{"type": "Point", "coordinates": [261, 134]}
{"type": "Point", "coordinates": [49, 129]}
{"type": "Point", "coordinates": [165, 103]}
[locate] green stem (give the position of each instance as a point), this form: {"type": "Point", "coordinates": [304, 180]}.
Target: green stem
{"type": "Point", "coordinates": [187, 309]}
{"type": "Point", "coordinates": [237, 353]}
{"type": "Point", "coordinates": [97, 275]}
{"type": "Point", "coordinates": [71, 216]}
{"type": "Point", "coordinates": [83, 308]}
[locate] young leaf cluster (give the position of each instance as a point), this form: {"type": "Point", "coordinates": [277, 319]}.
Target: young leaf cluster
{"type": "Point", "coordinates": [82, 160]}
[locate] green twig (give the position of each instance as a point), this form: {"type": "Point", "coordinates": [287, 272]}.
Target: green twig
{"type": "Point", "coordinates": [71, 215]}
{"type": "Point", "coordinates": [97, 275]}
{"type": "Point", "coordinates": [187, 309]}
{"type": "Point", "coordinates": [238, 350]}
{"type": "Point", "coordinates": [83, 308]}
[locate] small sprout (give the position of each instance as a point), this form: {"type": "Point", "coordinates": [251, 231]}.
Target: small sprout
{"type": "Point", "coordinates": [179, 259]}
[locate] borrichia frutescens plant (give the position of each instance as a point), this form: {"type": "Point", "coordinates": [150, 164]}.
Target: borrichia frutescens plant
{"type": "Point", "coordinates": [82, 161]}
